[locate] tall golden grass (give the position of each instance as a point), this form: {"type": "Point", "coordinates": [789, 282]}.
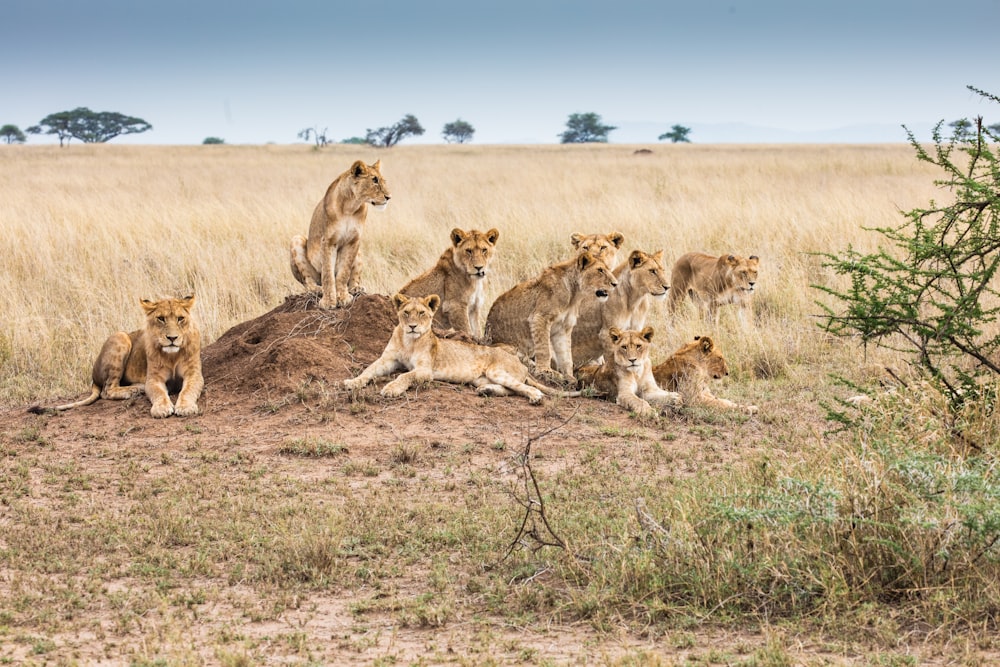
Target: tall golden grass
{"type": "Point", "coordinates": [86, 231]}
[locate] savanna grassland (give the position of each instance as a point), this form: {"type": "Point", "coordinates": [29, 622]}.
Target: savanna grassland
{"type": "Point", "coordinates": [296, 523]}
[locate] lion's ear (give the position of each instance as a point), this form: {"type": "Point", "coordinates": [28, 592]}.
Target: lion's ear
{"type": "Point", "coordinates": [647, 334]}
{"type": "Point", "coordinates": [358, 168]}
{"type": "Point", "coordinates": [432, 301]}
{"type": "Point", "coordinates": [584, 260]}
{"type": "Point", "coordinates": [147, 305]}
{"type": "Point", "coordinates": [706, 344]}
{"type": "Point", "coordinates": [576, 239]}
{"type": "Point", "coordinates": [377, 166]}
{"type": "Point", "coordinates": [617, 238]}
{"type": "Point", "coordinates": [732, 261]}
{"type": "Point", "coordinates": [636, 258]}
{"type": "Point", "coordinates": [658, 256]}
{"type": "Point", "coordinates": [457, 236]}
{"type": "Point", "coordinates": [615, 334]}
{"type": "Point", "coordinates": [492, 236]}
{"type": "Point", "coordinates": [400, 300]}
{"type": "Point", "coordinates": [188, 301]}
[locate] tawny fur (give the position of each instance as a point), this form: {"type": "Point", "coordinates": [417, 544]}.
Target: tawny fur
{"type": "Point", "coordinates": [626, 377]}
{"type": "Point", "coordinates": [459, 278]}
{"type": "Point", "coordinates": [162, 358]}
{"type": "Point", "coordinates": [415, 349]}
{"type": "Point", "coordinates": [537, 316]}
{"type": "Point", "coordinates": [329, 258]}
{"type": "Point", "coordinates": [712, 282]}
{"type": "Point", "coordinates": [689, 369]}
{"type": "Point", "coordinates": [641, 278]}
{"type": "Point", "coordinates": [603, 246]}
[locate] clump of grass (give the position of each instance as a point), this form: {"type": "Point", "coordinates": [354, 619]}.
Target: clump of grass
{"type": "Point", "coordinates": [312, 448]}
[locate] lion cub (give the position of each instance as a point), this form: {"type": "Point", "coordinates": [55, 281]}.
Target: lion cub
{"type": "Point", "coordinates": [415, 348]}
{"type": "Point", "coordinates": [688, 369]}
{"type": "Point", "coordinates": [626, 377]}
{"type": "Point", "coordinates": [537, 316]}
{"type": "Point", "coordinates": [603, 246]}
{"type": "Point", "coordinates": [459, 278]}
{"type": "Point", "coordinates": [641, 278]}
{"type": "Point", "coordinates": [329, 257]}
{"type": "Point", "coordinates": [712, 282]}
{"type": "Point", "coordinates": [162, 358]}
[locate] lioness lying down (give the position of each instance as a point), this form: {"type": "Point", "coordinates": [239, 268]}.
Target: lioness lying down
{"type": "Point", "coordinates": [689, 369]}
{"type": "Point", "coordinates": [163, 357]}
{"type": "Point", "coordinates": [416, 349]}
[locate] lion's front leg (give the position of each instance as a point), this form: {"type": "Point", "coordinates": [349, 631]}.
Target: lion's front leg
{"type": "Point", "coordinates": [157, 391]}
{"type": "Point", "coordinates": [354, 287]}
{"type": "Point", "coordinates": [331, 255]}
{"type": "Point", "coordinates": [187, 399]}
{"type": "Point", "coordinates": [347, 256]}
{"type": "Point", "coordinates": [562, 348]}
{"type": "Point", "coordinates": [633, 403]}
{"type": "Point", "coordinates": [406, 380]}
{"type": "Point", "coordinates": [384, 365]}
{"type": "Point", "coordinates": [652, 393]}
{"type": "Point", "coordinates": [541, 332]}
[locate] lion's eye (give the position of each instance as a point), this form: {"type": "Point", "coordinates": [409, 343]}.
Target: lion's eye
{"type": "Point", "coordinates": [468, 252]}
{"type": "Point", "coordinates": [180, 320]}
{"type": "Point", "coordinates": [375, 180]}
{"type": "Point", "coordinates": [161, 320]}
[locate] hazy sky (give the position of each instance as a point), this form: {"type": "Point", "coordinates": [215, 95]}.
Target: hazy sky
{"type": "Point", "coordinates": [252, 71]}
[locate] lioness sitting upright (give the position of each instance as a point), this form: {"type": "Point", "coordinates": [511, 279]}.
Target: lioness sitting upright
{"type": "Point", "coordinates": [712, 282]}
{"type": "Point", "coordinates": [688, 369]}
{"type": "Point", "coordinates": [162, 358]}
{"type": "Point", "coordinates": [459, 278]}
{"type": "Point", "coordinates": [626, 377]}
{"type": "Point", "coordinates": [537, 316]}
{"type": "Point", "coordinates": [329, 258]}
{"type": "Point", "coordinates": [641, 278]}
{"type": "Point", "coordinates": [416, 349]}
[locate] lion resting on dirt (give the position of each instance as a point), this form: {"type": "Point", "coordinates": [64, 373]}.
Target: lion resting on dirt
{"type": "Point", "coordinates": [688, 369]}
{"type": "Point", "coordinates": [537, 316]}
{"type": "Point", "coordinates": [712, 282]}
{"type": "Point", "coordinates": [415, 348]}
{"type": "Point", "coordinates": [641, 278]}
{"type": "Point", "coordinates": [459, 278]}
{"type": "Point", "coordinates": [626, 377]}
{"type": "Point", "coordinates": [162, 358]}
{"type": "Point", "coordinates": [603, 246]}
{"type": "Point", "coordinates": [329, 257]}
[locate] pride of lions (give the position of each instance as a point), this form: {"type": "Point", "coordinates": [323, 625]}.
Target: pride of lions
{"type": "Point", "coordinates": [580, 323]}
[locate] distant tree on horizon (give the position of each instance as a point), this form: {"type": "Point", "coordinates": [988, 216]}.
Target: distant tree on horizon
{"type": "Point", "coordinates": [90, 127]}
{"type": "Point", "coordinates": [458, 131]}
{"type": "Point", "coordinates": [353, 140]}
{"type": "Point", "coordinates": [12, 134]}
{"type": "Point", "coordinates": [962, 127]}
{"type": "Point", "coordinates": [387, 137]}
{"type": "Point", "coordinates": [584, 128]}
{"type": "Point", "coordinates": [213, 140]}
{"type": "Point", "coordinates": [678, 134]}
{"type": "Point", "coordinates": [318, 137]}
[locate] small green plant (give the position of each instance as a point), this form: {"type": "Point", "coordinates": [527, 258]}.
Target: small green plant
{"type": "Point", "coordinates": [312, 448]}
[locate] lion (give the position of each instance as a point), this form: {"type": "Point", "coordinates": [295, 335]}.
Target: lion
{"type": "Point", "coordinates": [712, 282]}
{"type": "Point", "coordinates": [162, 358]}
{"type": "Point", "coordinates": [536, 317]}
{"type": "Point", "coordinates": [626, 376]}
{"type": "Point", "coordinates": [604, 246]}
{"type": "Point", "coordinates": [641, 278]}
{"type": "Point", "coordinates": [415, 348]}
{"type": "Point", "coordinates": [329, 260]}
{"type": "Point", "coordinates": [688, 369]}
{"type": "Point", "coordinates": [459, 278]}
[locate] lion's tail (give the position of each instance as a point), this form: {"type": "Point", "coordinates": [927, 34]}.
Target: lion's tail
{"type": "Point", "coordinates": [95, 393]}
{"type": "Point", "coordinates": [550, 391]}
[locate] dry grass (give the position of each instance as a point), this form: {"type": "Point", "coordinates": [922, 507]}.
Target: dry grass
{"type": "Point", "coordinates": [88, 230]}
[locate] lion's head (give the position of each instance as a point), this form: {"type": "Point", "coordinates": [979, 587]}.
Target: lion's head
{"type": "Point", "coordinates": [169, 325]}
{"type": "Point", "coordinates": [741, 272]}
{"type": "Point", "coordinates": [415, 314]}
{"type": "Point", "coordinates": [367, 184]}
{"type": "Point", "coordinates": [603, 246]}
{"type": "Point", "coordinates": [631, 348]}
{"type": "Point", "coordinates": [688, 368]}
{"type": "Point", "coordinates": [473, 250]}
{"type": "Point", "coordinates": [595, 276]}
{"type": "Point", "coordinates": [647, 275]}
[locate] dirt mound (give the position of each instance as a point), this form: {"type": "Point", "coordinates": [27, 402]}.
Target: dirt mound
{"type": "Point", "coordinates": [297, 342]}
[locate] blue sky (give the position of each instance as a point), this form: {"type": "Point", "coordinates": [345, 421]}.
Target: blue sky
{"type": "Point", "coordinates": [255, 72]}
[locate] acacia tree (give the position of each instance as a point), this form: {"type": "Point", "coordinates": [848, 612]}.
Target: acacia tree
{"type": "Point", "coordinates": [458, 131]}
{"type": "Point", "coordinates": [90, 127]}
{"type": "Point", "coordinates": [12, 134]}
{"type": "Point", "coordinates": [585, 128]}
{"type": "Point", "coordinates": [678, 134]}
{"type": "Point", "coordinates": [318, 137]}
{"type": "Point", "coordinates": [934, 294]}
{"type": "Point", "coordinates": [387, 137]}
